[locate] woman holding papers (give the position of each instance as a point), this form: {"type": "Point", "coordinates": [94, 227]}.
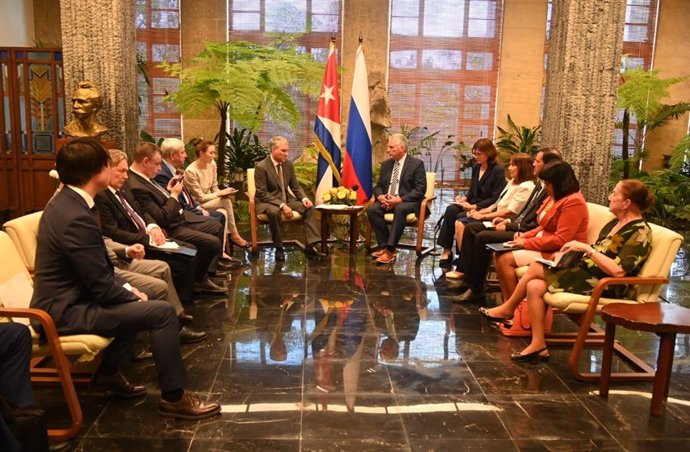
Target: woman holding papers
{"type": "Point", "coordinates": [562, 217]}
{"type": "Point", "coordinates": [622, 247]}
{"type": "Point", "coordinates": [201, 179]}
{"type": "Point", "coordinates": [488, 179]}
{"type": "Point", "coordinates": [509, 203]}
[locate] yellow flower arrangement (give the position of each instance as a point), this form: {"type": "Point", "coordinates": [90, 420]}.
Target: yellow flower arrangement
{"type": "Point", "coordinates": [340, 195]}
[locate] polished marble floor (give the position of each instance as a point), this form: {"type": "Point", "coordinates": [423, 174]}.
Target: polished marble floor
{"type": "Point", "coordinates": [344, 355]}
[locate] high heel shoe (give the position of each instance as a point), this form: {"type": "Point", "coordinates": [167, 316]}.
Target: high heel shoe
{"type": "Point", "coordinates": [454, 274]}
{"type": "Point", "coordinates": [247, 244]}
{"type": "Point", "coordinates": [448, 261]}
{"type": "Point", "coordinates": [530, 357]}
{"type": "Point", "coordinates": [490, 318]}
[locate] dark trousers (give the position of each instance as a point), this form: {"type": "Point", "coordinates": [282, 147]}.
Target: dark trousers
{"type": "Point", "coordinates": [385, 237]}
{"type": "Point", "coordinates": [446, 234]}
{"type": "Point", "coordinates": [182, 268]}
{"type": "Point", "coordinates": [15, 357]}
{"type": "Point", "coordinates": [312, 232]}
{"type": "Point", "coordinates": [124, 321]}
{"type": "Point", "coordinates": [207, 237]}
{"type": "Point", "coordinates": [474, 256]}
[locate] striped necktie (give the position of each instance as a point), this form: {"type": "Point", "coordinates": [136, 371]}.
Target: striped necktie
{"type": "Point", "coordinates": [395, 179]}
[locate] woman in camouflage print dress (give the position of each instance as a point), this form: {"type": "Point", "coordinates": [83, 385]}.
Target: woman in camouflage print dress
{"type": "Point", "coordinates": [621, 249]}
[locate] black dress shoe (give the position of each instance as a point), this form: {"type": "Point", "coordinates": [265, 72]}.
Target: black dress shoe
{"type": "Point", "coordinates": [142, 354]}
{"type": "Point", "coordinates": [447, 262]}
{"type": "Point", "coordinates": [280, 255]}
{"type": "Point", "coordinates": [188, 407]}
{"type": "Point", "coordinates": [189, 336]}
{"type": "Point", "coordinates": [118, 385]}
{"type": "Point", "coordinates": [311, 252]}
{"type": "Point", "coordinates": [209, 287]}
{"type": "Point", "coordinates": [530, 357]}
{"type": "Point", "coordinates": [229, 263]}
{"type": "Point", "coordinates": [185, 319]}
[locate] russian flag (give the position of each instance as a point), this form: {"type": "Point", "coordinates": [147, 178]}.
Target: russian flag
{"type": "Point", "coordinates": [327, 130]}
{"type": "Point", "coordinates": [357, 161]}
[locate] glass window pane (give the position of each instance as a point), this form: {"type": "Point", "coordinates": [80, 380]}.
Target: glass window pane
{"type": "Point", "coordinates": [635, 33]}
{"type": "Point", "coordinates": [405, 26]}
{"type": "Point", "coordinates": [406, 8]}
{"type": "Point", "coordinates": [165, 19]}
{"type": "Point", "coordinates": [482, 9]}
{"type": "Point", "coordinates": [441, 59]}
{"type": "Point", "coordinates": [165, 4]}
{"type": "Point", "coordinates": [166, 127]}
{"type": "Point", "coordinates": [324, 22]}
{"type": "Point", "coordinates": [161, 106]}
{"type": "Point", "coordinates": [471, 133]}
{"type": "Point", "coordinates": [165, 52]}
{"type": "Point", "coordinates": [246, 5]}
{"type": "Point", "coordinates": [476, 111]}
{"type": "Point", "coordinates": [164, 85]}
{"type": "Point", "coordinates": [404, 59]}
{"type": "Point", "coordinates": [325, 7]}
{"type": "Point", "coordinates": [637, 14]}
{"type": "Point", "coordinates": [480, 61]}
{"type": "Point", "coordinates": [481, 28]}
{"type": "Point", "coordinates": [640, 2]}
{"type": "Point", "coordinates": [477, 93]}
{"type": "Point", "coordinates": [320, 54]}
{"type": "Point", "coordinates": [140, 20]}
{"type": "Point", "coordinates": [246, 21]}
{"type": "Point", "coordinates": [405, 111]}
{"type": "Point", "coordinates": [286, 16]}
{"type": "Point", "coordinates": [444, 18]}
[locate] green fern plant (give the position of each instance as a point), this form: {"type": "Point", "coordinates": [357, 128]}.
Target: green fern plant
{"type": "Point", "coordinates": [245, 82]}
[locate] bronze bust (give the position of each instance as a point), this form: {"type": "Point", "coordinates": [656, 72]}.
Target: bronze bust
{"type": "Point", "coordinates": [86, 101]}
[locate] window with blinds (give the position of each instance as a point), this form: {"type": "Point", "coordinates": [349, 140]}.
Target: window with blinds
{"type": "Point", "coordinates": [158, 40]}
{"type": "Point", "coordinates": [444, 57]}
{"type": "Point", "coordinates": [315, 20]}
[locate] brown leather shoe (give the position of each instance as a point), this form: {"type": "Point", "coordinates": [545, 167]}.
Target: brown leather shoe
{"type": "Point", "coordinates": [188, 407]}
{"type": "Point", "coordinates": [118, 385]}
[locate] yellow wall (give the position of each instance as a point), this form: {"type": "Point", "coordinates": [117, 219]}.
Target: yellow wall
{"type": "Point", "coordinates": [521, 75]}
{"type": "Point", "coordinates": [672, 58]}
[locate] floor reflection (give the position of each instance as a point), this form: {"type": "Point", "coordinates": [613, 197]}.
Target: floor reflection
{"type": "Point", "coordinates": [343, 354]}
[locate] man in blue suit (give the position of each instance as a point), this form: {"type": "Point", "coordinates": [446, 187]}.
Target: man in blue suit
{"type": "Point", "coordinates": [76, 284]}
{"type": "Point", "coordinates": [400, 191]}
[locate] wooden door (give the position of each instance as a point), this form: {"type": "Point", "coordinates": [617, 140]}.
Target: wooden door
{"type": "Point", "coordinates": [32, 115]}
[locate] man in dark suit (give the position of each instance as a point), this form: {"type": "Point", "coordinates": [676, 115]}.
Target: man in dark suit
{"type": "Point", "coordinates": [400, 191]}
{"type": "Point", "coordinates": [162, 203]}
{"type": "Point", "coordinates": [76, 285]}
{"type": "Point", "coordinates": [123, 220]}
{"type": "Point", "coordinates": [278, 196]}
{"type": "Point", "coordinates": [474, 258]}
{"type": "Point", "coordinates": [174, 155]}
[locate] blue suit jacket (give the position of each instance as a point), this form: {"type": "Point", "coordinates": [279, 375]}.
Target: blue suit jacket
{"type": "Point", "coordinates": [485, 191]}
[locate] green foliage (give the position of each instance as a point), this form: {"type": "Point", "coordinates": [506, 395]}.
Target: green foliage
{"type": "Point", "coordinates": [148, 138]}
{"type": "Point", "coordinates": [243, 150]}
{"type": "Point", "coordinates": [517, 139]}
{"type": "Point", "coordinates": [254, 81]}
{"type": "Point", "coordinates": [672, 191]}
{"type": "Point", "coordinates": [306, 176]}
{"type": "Point", "coordinates": [681, 154]}
{"type": "Point", "coordinates": [640, 96]}
{"type": "Point", "coordinates": [420, 141]}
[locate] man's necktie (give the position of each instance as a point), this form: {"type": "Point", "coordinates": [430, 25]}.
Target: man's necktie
{"type": "Point", "coordinates": [188, 197]}
{"type": "Point", "coordinates": [136, 219]}
{"type": "Point", "coordinates": [393, 188]}
{"type": "Point", "coordinates": [279, 167]}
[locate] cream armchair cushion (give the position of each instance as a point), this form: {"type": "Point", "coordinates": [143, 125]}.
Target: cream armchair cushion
{"type": "Point", "coordinates": [23, 231]}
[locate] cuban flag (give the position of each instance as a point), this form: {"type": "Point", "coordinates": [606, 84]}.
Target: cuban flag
{"type": "Point", "coordinates": [327, 130]}
{"type": "Point", "coordinates": [357, 160]}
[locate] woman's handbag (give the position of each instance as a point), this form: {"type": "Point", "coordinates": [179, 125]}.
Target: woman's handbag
{"type": "Point", "coordinates": [521, 326]}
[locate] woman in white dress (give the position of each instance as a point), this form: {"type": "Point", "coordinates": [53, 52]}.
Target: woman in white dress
{"type": "Point", "coordinates": [201, 179]}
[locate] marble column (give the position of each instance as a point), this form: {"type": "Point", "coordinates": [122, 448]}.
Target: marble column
{"type": "Point", "coordinates": [98, 42]}
{"type": "Point", "coordinates": [582, 79]}
{"type": "Point", "coordinates": [371, 19]}
{"type": "Point", "coordinates": [201, 21]}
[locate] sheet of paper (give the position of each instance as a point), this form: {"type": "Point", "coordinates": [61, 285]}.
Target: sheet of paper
{"type": "Point", "coordinates": [16, 293]}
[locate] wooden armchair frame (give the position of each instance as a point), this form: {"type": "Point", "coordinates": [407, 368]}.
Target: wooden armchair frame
{"type": "Point", "coordinates": [414, 222]}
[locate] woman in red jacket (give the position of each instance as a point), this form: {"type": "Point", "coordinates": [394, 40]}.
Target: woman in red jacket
{"type": "Point", "coordinates": [562, 217]}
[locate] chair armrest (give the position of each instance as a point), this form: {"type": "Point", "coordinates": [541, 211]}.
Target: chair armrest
{"type": "Point", "coordinates": [612, 281]}
{"type": "Point", "coordinates": [43, 317]}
